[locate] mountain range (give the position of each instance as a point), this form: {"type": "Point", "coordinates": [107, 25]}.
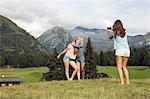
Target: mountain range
{"type": "Point", "coordinates": [15, 40]}
{"type": "Point", "coordinates": [58, 37]}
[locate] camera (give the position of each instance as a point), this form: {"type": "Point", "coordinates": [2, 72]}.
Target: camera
{"type": "Point", "coordinates": [109, 28]}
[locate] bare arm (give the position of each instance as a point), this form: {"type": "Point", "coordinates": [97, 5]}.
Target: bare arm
{"type": "Point", "coordinates": [110, 34]}
{"type": "Point", "coordinates": [62, 53]}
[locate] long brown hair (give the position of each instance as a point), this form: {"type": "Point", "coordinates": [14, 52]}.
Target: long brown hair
{"type": "Point", "coordinates": [75, 48]}
{"type": "Point", "coordinates": [119, 29]}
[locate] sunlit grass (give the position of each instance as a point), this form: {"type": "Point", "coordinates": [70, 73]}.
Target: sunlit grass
{"type": "Point", "coordinates": [86, 89]}
{"type": "Point", "coordinates": [135, 72]}
{"type": "Point", "coordinates": [34, 88]}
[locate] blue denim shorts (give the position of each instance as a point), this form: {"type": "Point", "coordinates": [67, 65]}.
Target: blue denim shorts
{"type": "Point", "coordinates": [66, 58]}
{"type": "Point", "coordinates": [80, 60]}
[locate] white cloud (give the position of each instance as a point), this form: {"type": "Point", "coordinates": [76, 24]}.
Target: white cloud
{"type": "Point", "coordinates": [36, 16]}
{"type": "Point", "coordinates": [108, 23]}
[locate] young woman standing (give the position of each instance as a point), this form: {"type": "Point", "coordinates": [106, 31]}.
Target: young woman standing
{"type": "Point", "coordinates": [81, 58]}
{"type": "Point", "coordinates": [121, 47]}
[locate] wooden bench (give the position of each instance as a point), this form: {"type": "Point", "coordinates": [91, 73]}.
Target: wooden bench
{"type": "Point", "coordinates": [9, 81]}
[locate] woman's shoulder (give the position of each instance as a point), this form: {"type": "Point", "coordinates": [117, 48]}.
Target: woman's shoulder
{"type": "Point", "coordinates": [126, 34]}
{"type": "Point", "coordinates": [70, 45]}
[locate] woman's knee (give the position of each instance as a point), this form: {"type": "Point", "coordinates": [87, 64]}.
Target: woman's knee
{"type": "Point", "coordinates": [124, 68]}
{"type": "Point", "coordinates": [83, 69]}
{"type": "Point", "coordinates": [119, 68]}
{"type": "Point", "coordinates": [76, 69]}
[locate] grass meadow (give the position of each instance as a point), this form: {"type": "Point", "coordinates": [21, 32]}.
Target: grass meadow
{"type": "Point", "coordinates": [34, 88]}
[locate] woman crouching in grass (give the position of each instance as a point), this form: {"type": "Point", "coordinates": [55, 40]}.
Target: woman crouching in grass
{"type": "Point", "coordinates": [121, 47]}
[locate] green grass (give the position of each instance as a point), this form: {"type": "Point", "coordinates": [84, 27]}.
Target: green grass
{"type": "Point", "coordinates": [135, 72]}
{"type": "Point", "coordinates": [35, 74]}
{"type": "Point", "coordinates": [83, 89]}
{"type": "Point", "coordinates": [28, 74]}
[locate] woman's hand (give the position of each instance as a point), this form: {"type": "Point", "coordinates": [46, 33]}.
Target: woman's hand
{"type": "Point", "coordinates": [110, 34]}
{"type": "Point", "coordinates": [62, 53]}
{"type": "Point", "coordinates": [58, 56]}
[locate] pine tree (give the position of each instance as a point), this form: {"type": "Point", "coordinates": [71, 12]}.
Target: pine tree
{"type": "Point", "coordinates": [90, 68]}
{"type": "Point", "coordinates": [96, 58]}
{"type": "Point", "coordinates": [146, 57]}
{"type": "Point", "coordinates": [56, 68]}
{"type": "Point", "coordinates": [135, 57]}
{"type": "Point", "coordinates": [109, 58]}
{"type": "Point", "coordinates": [102, 59]}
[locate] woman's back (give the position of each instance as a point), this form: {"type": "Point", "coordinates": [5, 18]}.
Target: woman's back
{"type": "Point", "coordinates": [70, 52]}
{"type": "Point", "coordinates": [121, 42]}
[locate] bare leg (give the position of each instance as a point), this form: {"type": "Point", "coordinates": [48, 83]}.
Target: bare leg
{"type": "Point", "coordinates": [119, 60]}
{"type": "Point", "coordinates": [74, 65]}
{"type": "Point", "coordinates": [83, 71]}
{"type": "Point", "coordinates": [78, 73]}
{"type": "Point", "coordinates": [67, 69]}
{"type": "Point", "coordinates": [125, 60]}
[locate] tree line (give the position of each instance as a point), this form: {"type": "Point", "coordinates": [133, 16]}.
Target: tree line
{"type": "Point", "coordinates": [139, 57]}
{"type": "Point", "coordinates": [23, 60]}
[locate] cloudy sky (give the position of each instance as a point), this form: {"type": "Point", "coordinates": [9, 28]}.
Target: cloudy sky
{"type": "Point", "coordinates": [37, 16]}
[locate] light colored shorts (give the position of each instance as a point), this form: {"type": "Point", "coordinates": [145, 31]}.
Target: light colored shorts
{"type": "Point", "coordinates": [122, 52]}
{"type": "Point", "coordinates": [66, 58]}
